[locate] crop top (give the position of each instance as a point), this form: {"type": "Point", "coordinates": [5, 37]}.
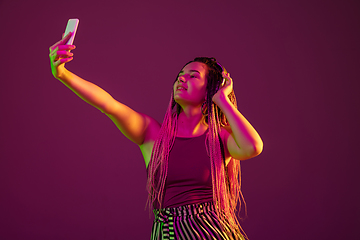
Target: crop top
{"type": "Point", "coordinates": [189, 178]}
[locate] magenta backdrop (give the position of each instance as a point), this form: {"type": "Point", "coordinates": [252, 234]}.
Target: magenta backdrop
{"type": "Point", "coordinates": [66, 172]}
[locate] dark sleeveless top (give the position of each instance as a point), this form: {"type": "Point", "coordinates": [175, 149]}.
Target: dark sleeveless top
{"type": "Point", "coordinates": [189, 178]}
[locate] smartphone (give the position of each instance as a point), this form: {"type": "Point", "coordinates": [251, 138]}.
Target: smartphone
{"type": "Point", "coordinates": [71, 27]}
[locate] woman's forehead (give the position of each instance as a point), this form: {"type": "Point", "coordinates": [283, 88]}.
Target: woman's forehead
{"type": "Point", "coordinates": [198, 66]}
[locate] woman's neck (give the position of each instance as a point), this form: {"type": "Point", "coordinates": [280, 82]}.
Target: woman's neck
{"type": "Point", "coordinates": [191, 123]}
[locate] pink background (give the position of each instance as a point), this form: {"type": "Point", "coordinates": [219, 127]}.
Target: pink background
{"type": "Point", "coordinates": [66, 172]}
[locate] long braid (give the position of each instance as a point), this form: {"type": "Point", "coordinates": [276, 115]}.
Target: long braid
{"type": "Point", "coordinates": [224, 189]}
{"type": "Point", "coordinates": [158, 164]}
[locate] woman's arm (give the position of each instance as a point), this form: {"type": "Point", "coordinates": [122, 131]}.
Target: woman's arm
{"type": "Point", "coordinates": [241, 139]}
{"type": "Point", "coordinates": [132, 124]}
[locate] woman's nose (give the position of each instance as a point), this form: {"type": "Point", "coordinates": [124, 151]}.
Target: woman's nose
{"type": "Point", "coordinates": [181, 79]}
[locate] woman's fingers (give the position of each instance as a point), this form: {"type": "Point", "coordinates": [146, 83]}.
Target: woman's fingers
{"type": "Point", "coordinates": [62, 51]}
{"type": "Point", "coordinates": [64, 54]}
{"type": "Point", "coordinates": [228, 80]}
{"type": "Point", "coordinates": [62, 60]}
{"type": "Point", "coordinates": [67, 37]}
{"type": "Point", "coordinates": [63, 47]}
{"type": "Point", "coordinates": [227, 75]}
{"type": "Point", "coordinates": [61, 54]}
{"type": "Point", "coordinates": [63, 41]}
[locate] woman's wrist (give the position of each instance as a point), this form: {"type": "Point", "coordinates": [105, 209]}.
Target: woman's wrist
{"type": "Point", "coordinates": [63, 74]}
{"type": "Point", "coordinates": [221, 100]}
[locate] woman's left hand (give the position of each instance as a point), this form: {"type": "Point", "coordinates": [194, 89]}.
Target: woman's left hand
{"type": "Point", "coordinates": [225, 90]}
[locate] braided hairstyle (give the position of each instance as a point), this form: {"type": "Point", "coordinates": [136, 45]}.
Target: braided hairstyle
{"type": "Point", "coordinates": [226, 180]}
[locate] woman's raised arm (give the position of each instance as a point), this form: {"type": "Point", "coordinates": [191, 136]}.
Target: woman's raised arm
{"type": "Point", "coordinates": [131, 123]}
{"type": "Point", "coordinates": [241, 139]}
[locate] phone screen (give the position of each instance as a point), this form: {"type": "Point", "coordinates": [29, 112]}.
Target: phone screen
{"type": "Point", "coordinates": [71, 27]}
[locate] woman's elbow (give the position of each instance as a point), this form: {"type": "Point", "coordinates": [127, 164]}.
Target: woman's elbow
{"type": "Point", "coordinates": [258, 147]}
{"type": "Point", "coordinates": [254, 150]}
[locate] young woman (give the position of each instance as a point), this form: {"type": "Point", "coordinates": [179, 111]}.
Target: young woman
{"type": "Point", "coordinates": [193, 157]}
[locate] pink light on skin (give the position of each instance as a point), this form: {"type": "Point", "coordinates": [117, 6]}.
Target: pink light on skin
{"type": "Point", "coordinates": [190, 88]}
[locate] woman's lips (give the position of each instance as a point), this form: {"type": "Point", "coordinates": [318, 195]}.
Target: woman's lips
{"type": "Point", "coordinates": [180, 89]}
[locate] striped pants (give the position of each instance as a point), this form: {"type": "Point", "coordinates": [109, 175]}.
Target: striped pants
{"type": "Point", "coordinates": [196, 221]}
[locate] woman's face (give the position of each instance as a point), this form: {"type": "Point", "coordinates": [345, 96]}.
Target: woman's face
{"type": "Point", "coordinates": [190, 87]}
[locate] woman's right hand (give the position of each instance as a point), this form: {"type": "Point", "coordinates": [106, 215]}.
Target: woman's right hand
{"type": "Point", "coordinates": [59, 55]}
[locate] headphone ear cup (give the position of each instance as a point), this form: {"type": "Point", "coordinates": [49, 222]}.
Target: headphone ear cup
{"type": "Point", "coordinates": [223, 82]}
